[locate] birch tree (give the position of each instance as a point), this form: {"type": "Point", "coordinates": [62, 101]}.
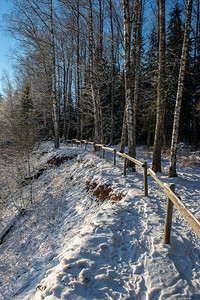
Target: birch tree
{"type": "Point", "coordinates": [128, 80]}
{"type": "Point", "coordinates": [112, 72]}
{"type": "Point", "coordinates": [91, 73]}
{"type": "Point", "coordinates": [79, 132]}
{"type": "Point", "coordinates": [179, 95]}
{"type": "Point", "coordinates": [156, 163]}
{"type": "Point", "coordinates": [54, 83]}
{"type": "Point", "coordinates": [136, 63]}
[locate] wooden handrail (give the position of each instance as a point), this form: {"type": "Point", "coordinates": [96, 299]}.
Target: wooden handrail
{"type": "Point", "coordinates": [109, 149]}
{"type": "Point", "coordinates": [137, 162]}
{"type": "Point", "coordinates": [155, 177]}
{"type": "Point", "coordinates": [192, 221]}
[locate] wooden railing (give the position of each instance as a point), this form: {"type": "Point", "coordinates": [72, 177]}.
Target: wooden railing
{"type": "Point", "coordinates": [169, 190]}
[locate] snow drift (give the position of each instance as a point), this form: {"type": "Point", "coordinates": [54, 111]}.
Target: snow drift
{"type": "Point", "coordinates": [71, 245]}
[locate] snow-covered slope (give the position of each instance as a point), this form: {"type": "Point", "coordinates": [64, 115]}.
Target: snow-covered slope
{"type": "Point", "coordinates": [72, 245]}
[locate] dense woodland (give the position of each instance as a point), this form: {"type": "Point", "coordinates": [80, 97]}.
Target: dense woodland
{"type": "Point", "coordinates": [114, 72]}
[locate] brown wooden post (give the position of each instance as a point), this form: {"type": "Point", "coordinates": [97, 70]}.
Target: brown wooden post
{"type": "Point", "coordinates": [168, 217]}
{"type": "Point", "coordinates": [145, 180]}
{"type": "Point", "coordinates": [94, 147]}
{"type": "Point", "coordinates": [81, 143]}
{"type": "Point", "coordinates": [85, 145]}
{"type": "Point", "coordinates": [77, 144]}
{"type": "Point", "coordinates": [114, 156]}
{"type": "Point", "coordinates": [125, 164]}
{"type": "Point", "coordinates": [103, 153]}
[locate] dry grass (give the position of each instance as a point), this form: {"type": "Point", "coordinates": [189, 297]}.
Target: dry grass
{"type": "Point", "coordinates": [57, 161]}
{"type": "Point", "coordinates": [103, 192]}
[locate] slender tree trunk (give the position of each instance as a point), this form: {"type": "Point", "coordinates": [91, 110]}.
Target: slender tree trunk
{"type": "Point", "coordinates": [58, 92]}
{"type": "Point", "coordinates": [157, 147]}
{"type": "Point", "coordinates": [134, 37]}
{"type": "Point", "coordinates": [179, 95]}
{"type": "Point", "coordinates": [100, 73]}
{"type": "Point", "coordinates": [123, 134]}
{"type": "Point", "coordinates": [100, 117]}
{"type": "Point", "coordinates": [137, 68]}
{"type": "Point", "coordinates": [128, 81]}
{"type": "Point", "coordinates": [112, 75]}
{"type": "Point", "coordinates": [81, 92]}
{"type": "Point", "coordinates": [91, 65]}
{"type": "Point", "coordinates": [65, 81]}
{"type": "Point", "coordinates": [53, 92]}
{"type": "Point", "coordinates": [196, 69]}
{"type": "Point", "coordinates": [78, 71]}
{"type": "Point", "coordinates": [69, 100]}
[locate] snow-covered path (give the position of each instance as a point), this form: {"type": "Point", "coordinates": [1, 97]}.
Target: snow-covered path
{"type": "Point", "coordinates": [108, 250]}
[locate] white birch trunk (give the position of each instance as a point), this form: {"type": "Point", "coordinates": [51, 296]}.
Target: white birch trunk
{"type": "Point", "coordinates": [53, 90]}
{"type": "Point", "coordinates": [112, 74]}
{"type": "Point", "coordinates": [78, 71]}
{"type": "Point", "coordinates": [156, 163]}
{"type": "Point", "coordinates": [137, 69]}
{"type": "Point", "coordinates": [179, 95]}
{"type": "Point", "coordinates": [128, 80]}
{"type": "Point", "coordinates": [91, 65]}
{"type": "Point", "coordinates": [123, 134]}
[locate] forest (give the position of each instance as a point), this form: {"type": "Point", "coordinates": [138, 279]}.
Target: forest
{"type": "Point", "coordinates": [74, 224]}
{"type": "Point", "coordinates": [114, 72]}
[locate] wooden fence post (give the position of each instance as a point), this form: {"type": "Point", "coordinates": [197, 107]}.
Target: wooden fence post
{"type": "Point", "coordinates": [114, 156]}
{"type": "Point", "coordinates": [103, 153]}
{"type": "Point", "coordinates": [81, 143]}
{"type": "Point", "coordinates": [85, 145]}
{"type": "Point", "coordinates": [94, 147]}
{"type": "Point", "coordinates": [168, 217]}
{"type": "Point", "coordinates": [125, 164]}
{"type": "Point", "coordinates": [145, 180]}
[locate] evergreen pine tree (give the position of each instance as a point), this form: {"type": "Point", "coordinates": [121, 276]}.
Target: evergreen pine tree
{"type": "Point", "coordinates": [26, 106]}
{"type": "Point", "coordinates": [147, 107]}
{"type": "Point", "coordinates": [27, 129]}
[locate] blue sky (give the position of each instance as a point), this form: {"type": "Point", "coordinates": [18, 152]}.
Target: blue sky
{"type": "Point", "coordinates": [6, 42]}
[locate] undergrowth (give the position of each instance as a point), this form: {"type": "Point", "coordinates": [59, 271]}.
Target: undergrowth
{"type": "Point", "coordinates": [103, 192]}
{"type": "Point", "coordinates": [55, 161]}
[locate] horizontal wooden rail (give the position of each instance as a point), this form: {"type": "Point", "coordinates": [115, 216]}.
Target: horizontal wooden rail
{"type": "Point", "coordinates": [137, 162]}
{"type": "Point", "coordinates": [155, 177]}
{"type": "Point", "coordinates": [168, 190]}
{"type": "Point", "coordinates": [194, 223]}
{"type": "Point", "coordinates": [108, 149]}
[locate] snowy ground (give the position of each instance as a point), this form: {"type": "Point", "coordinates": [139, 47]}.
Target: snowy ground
{"type": "Point", "coordinates": [69, 245]}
